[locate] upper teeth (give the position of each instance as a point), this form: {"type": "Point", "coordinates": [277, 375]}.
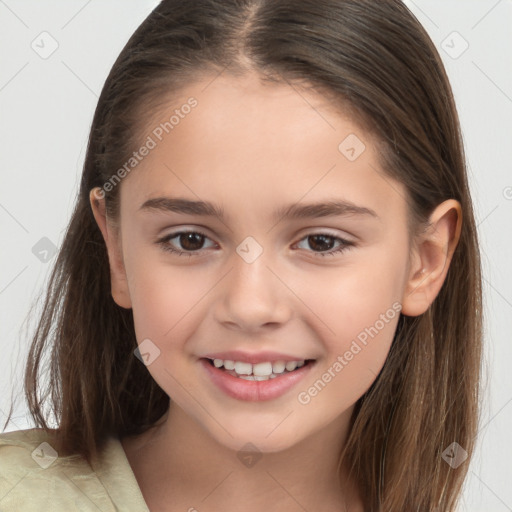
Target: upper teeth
{"type": "Point", "coordinates": [259, 369]}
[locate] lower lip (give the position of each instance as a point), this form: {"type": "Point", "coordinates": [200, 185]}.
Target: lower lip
{"type": "Point", "coordinates": [255, 390]}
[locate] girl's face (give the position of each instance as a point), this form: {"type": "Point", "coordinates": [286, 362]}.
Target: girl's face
{"type": "Point", "coordinates": [322, 285]}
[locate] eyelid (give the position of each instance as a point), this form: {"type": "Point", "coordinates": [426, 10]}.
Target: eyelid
{"type": "Point", "coordinates": [309, 232]}
{"type": "Point", "coordinates": [345, 243]}
{"type": "Point", "coordinates": [184, 231]}
{"type": "Point", "coordinates": [330, 232]}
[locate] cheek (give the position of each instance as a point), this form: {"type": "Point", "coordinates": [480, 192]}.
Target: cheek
{"type": "Point", "coordinates": [168, 304]}
{"type": "Point", "coordinates": [357, 309]}
{"type": "Point", "coordinates": [166, 298]}
{"type": "Point", "coordinates": [355, 354]}
{"type": "Point", "coordinates": [351, 297]}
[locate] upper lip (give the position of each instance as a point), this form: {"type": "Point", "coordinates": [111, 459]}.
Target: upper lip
{"type": "Point", "coordinates": [253, 357]}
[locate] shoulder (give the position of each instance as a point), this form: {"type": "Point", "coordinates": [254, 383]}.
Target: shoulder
{"type": "Point", "coordinates": [32, 448]}
{"type": "Point", "coordinates": [26, 449]}
{"type": "Point", "coordinates": [34, 477]}
{"type": "Point", "coordinates": [22, 437]}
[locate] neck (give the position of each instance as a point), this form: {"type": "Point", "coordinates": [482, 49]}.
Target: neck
{"type": "Point", "coordinates": [179, 454]}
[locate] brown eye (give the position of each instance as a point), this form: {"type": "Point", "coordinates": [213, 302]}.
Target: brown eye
{"type": "Point", "coordinates": [190, 241]}
{"type": "Point", "coordinates": [323, 243]}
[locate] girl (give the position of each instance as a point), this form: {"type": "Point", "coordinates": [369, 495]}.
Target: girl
{"type": "Point", "coordinates": [269, 293]}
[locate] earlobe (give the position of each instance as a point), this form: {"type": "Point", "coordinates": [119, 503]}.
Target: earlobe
{"type": "Point", "coordinates": [119, 285]}
{"type": "Point", "coordinates": [432, 257]}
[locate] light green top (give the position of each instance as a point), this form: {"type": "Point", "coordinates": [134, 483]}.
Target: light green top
{"type": "Point", "coordinates": [33, 478]}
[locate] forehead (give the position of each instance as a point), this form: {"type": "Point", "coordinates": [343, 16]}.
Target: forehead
{"type": "Point", "coordinates": [269, 142]}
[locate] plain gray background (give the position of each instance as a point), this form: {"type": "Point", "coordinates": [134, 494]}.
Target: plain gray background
{"type": "Point", "coordinates": [47, 103]}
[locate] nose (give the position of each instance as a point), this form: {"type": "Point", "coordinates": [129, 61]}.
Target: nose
{"type": "Point", "coordinates": [253, 295]}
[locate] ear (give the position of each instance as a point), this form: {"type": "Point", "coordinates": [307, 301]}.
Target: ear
{"type": "Point", "coordinates": [119, 284]}
{"type": "Point", "coordinates": [431, 258]}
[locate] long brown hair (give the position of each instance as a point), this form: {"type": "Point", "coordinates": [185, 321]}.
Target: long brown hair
{"type": "Point", "coordinates": [373, 58]}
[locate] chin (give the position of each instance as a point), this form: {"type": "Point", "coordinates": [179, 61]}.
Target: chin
{"type": "Point", "coordinates": [266, 440]}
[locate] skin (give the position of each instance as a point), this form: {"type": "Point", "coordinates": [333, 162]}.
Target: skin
{"type": "Point", "coordinates": [251, 148]}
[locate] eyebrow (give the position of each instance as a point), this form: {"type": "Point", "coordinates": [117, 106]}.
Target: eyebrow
{"type": "Point", "coordinates": [292, 211]}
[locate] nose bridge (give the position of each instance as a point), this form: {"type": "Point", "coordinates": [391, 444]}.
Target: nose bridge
{"type": "Point", "coordinates": [253, 295]}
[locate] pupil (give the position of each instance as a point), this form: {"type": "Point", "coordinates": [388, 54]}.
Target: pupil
{"type": "Point", "coordinates": [189, 237]}
{"type": "Point", "coordinates": [321, 246]}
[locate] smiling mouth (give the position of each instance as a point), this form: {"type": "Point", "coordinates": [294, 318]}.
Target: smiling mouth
{"type": "Point", "coordinates": [259, 371]}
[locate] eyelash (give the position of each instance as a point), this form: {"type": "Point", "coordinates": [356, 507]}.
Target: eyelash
{"type": "Point", "coordinates": [164, 243]}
